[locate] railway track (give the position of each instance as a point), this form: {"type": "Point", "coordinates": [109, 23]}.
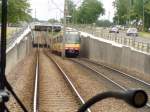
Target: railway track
{"type": "Point", "coordinates": [56, 92]}
{"type": "Point", "coordinates": [89, 84]}
{"type": "Point", "coordinates": [51, 92]}
{"type": "Point", "coordinates": [51, 81]}
{"type": "Point", "coordinates": [120, 79]}
{"type": "Point", "coordinates": [118, 71]}
{"type": "Point", "coordinates": [63, 89]}
{"type": "Point", "coordinates": [36, 89]}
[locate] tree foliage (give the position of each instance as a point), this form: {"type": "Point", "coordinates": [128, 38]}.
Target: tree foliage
{"type": "Point", "coordinates": [103, 23]}
{"type": "Point", "coordinates": [132, 10]}
{"type": "Point", "coordinates": [88, 12]}
{"type": "Point", "coordinates": [53, 21]}
{"type": "Point", "coordinates": [71, 7]}
{"type": "Point", "coordinates": [121, 15]}
{"type": "Point", "coordinates": [71, 10]}
{"type": "Point", "coordinates": [18, 10]}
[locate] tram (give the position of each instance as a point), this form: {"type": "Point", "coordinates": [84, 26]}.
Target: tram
{"type": "Point", "coordinates": [72, 43]}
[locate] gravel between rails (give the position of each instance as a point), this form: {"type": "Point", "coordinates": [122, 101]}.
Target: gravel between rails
{"type": "Point", "coordinates": [145, 77]}
{"type": "Point", "coordinates": [89, 85]}
{"type": "Point", "coordinates": [21, 79]}
{"type": "Point", "coordinates": [124, 81]}
{"type": "Point", "coordinates": [54, 93]}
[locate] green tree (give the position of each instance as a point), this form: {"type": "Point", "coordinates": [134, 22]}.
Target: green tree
{"type": "Point", "coordinates": [132, 10]}
{"type": "Point", "coordinates": [18, 10]}
{"type": "Point", "coordinates": [53, 21]}
{"type": "Point", "coordinates": [103, 23]}
{"type": "Point", "coordinates": [89, 11]}
{"type": "Point", "coordinates": [123, 11]}
{"type": "Point", "coordinates": [71, 7]}
{"type": "Point", "coordinates": [71, 10]}
{"type": "Point", "coordinates": [147, 14]}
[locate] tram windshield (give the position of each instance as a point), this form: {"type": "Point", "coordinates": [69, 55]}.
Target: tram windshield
{"type": "Point", "coordinates": [72, 38]}
{"type": "Point", "coordinates": [55, 55]}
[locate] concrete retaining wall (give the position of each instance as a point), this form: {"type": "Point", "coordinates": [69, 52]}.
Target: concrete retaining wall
{"type": "Point", "coordinates": [18, 52]}
{"type": "Point", "coordinates": [84, 47]}
{"type": "Point", "coordinates": [115, 55]}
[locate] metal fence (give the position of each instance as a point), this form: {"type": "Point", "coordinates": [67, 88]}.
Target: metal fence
{"type": "Point", "coordinates": [135, 42]}
{"type": "Point", "coordinates": [11, 40]}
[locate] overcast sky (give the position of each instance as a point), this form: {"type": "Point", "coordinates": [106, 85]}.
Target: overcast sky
{"type": "Point", "coordinates": [46, 9]}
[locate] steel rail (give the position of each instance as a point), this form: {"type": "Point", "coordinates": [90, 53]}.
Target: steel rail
{"type": "Point", "coordinates": [121, 73]}
{"type": "Point", "coordinates": [69, 82]}
{"type": "Point", "coordinates": [35, 99]}
{"type": "Point", "coordinates": [103, 75]}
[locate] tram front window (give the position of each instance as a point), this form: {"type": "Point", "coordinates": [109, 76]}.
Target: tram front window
{"type": "Point", "coordinates": [74, 39]}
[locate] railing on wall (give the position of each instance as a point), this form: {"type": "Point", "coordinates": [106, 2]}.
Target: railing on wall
{"type": "Point", "coordinates": [16, 35]}
{"type": "Point", "coordinates": [139, 44]}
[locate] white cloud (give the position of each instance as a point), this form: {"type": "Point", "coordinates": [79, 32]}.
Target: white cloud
{"type": "Point", "coordinates": [46, 9]}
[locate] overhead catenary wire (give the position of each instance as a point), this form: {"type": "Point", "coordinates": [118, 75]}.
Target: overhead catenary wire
{"type": "Point", "coordinates": [57, 7]}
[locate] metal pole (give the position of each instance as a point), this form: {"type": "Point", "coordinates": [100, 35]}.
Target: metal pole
{"type": "Point", "coordinates": [64, 28]}
{"type": "Point", "coordinates": [73, 19]}
{"type": "Point", "coordinates": [35, 15]}
{"type": "Point", "coordinates": [3, 50]}
{"type": "Point", "coordinates": [129, 13]}
{"type": "Point", "coordinates": [143, 16]}
{"type": "Point", "coordinates": [52, 40]}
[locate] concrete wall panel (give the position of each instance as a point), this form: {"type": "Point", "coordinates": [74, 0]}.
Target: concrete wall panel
{"type": "Point", "coordinates": [101, 52]}
{"type": "Point", "coordinates": [108, 49]}
{"type": "Point", "coordinates": [147, 65]}
{"type": "Point", "coordinates": [116, 53]}
{"type": "Point", "coordinates": [117, 56]}
{"type": "Point", "coordinates": [18, 52]}
{"type": "Point", "coordinates": [84, 51]}
{"type": "Point", "coordinates": [11, 59]}
{"type": "Point", "coordinates": [22, 49]}
{"type": "Point", "coordinates": [137, 61]}
{"type": "Point", "coordinates": [125, 58]}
